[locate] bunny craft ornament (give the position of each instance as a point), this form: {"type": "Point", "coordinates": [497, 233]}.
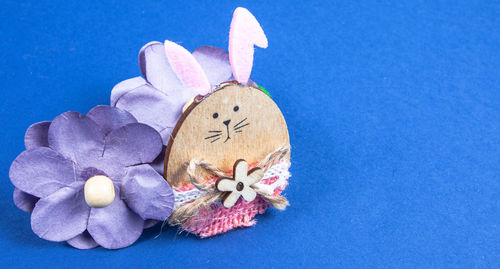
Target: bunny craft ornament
{"type": "Point", "coordinates": [235, 123]}
{"type": "Point", "coordinates": [212, 117]}
{"type": "Point", "coordinates": [194, 143]}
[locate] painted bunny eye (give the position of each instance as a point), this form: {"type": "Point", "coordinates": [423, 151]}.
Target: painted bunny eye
{"type": "Point", "coordinates": [236, 108]}
{"type": "Point", "coordinates": [215, 115]}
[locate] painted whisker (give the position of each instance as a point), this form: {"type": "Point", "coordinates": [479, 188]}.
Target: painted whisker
{"type": "Point", "coordinates": [236, 125]}
{"type": "Point", "coordinates": [239, 127]}
{"type": "Point", "coordinates": [216, 135]}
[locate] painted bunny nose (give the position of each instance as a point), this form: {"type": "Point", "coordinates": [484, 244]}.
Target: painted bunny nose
{"type": "Point", "coordinates": [226, 122]}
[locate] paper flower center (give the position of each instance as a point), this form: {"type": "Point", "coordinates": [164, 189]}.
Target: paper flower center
{"type": "Point", "coordinates": [99, 191]}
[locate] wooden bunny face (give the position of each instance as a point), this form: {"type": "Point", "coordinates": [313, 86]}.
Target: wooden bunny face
{"type": "Point", "coordinates": [234, 122]}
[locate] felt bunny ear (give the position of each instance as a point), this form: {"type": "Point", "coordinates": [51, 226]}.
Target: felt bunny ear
{"type": "Point", "coordinates": [245, 32]}
{"type": "Point", "coordinates": [187, 69]}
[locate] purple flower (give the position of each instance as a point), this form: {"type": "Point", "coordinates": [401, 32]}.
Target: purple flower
{"type": "Point", "coordinates": [61, 156]}
{"type": "Point", "coordinates": [158, 99]}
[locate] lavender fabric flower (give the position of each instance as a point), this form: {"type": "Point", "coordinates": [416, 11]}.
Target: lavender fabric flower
{"type": "Point", "coordinates": [158, 99]}
{"type": "Point", "coordinates": [63, 154]}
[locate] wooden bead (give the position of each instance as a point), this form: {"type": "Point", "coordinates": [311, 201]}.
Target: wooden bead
{"type": "Point", "coordinates": [99, 191]}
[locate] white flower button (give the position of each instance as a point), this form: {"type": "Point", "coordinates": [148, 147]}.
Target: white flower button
{"type": "Point", "coordinates": [240, 184]}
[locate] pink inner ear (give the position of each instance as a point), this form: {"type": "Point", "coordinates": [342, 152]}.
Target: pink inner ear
{"type": "Point", "coordinates": [187, 69]}
{"type": "Point", "coordinates": [245, 32]}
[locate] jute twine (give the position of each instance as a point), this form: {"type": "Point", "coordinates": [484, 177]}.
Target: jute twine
{"type": "Point", "coordinates": [185, 212]}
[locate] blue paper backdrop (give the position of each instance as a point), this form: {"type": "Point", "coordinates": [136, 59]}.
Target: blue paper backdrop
{"type": "Point", "coordinates": [393, 110]}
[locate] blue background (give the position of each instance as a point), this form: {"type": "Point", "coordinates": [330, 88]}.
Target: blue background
{"type": "Point", "coordinates": [393, 110]}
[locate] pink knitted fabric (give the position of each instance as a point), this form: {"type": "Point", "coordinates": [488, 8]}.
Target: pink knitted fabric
{"type": "Point", "coordinates": [218, 219]}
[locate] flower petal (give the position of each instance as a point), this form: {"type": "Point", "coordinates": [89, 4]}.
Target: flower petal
{"type": "Point", "coordinates": [248, 194]}
{"type": "Point", "coordinates": [110, 118]}
{"type": "Point", "coordinates": [76, 137]}
{"type": "Point", "coordinates": [115, 226]}
{"type": "Point", "coordinates": [226, 184]}
{"type": "Point", "coordinates": [241, 168]}
{"type": "Point", "coordinates": [254, 176]}
{"type": "Point", "coordinates": [42, 171]}
{"type": "Point", "coordinates": [134, 143]}
{"type": "Point", "coordinates": [147, 193]}
{"type": "Point", "coordinates": [156, 68]}
{"type": "Point", "coordinates": [61, 215]}
{"type": "Point", "coordinates": [24, 201]}
{"type": "Point", "coordinates": [124, 87]}
{"type": "Point", "coordinates": [83, 241]}
{"type": "Point", "coordinates": [215, 63]}
{"type": "Point", "coordinates": [231, 199]}
{"type": "Point", "coordinates": [159, 163]}
{"type": "Point", "coordinates": [251, 82]}
{"type": "Point", "coordinates": [36, 135]}
{"type": "Point", "coordinates": [150, 223]}
{"type": "Point", "coordinates": [166, 134]}
{"type": "Point", "coordinates": [152, 107]}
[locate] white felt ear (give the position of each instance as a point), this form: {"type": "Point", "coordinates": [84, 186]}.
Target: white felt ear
{"type": "Point", "coordinates": [187, 69]}
{"type": "Point", "coordinates": [245, 32]}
